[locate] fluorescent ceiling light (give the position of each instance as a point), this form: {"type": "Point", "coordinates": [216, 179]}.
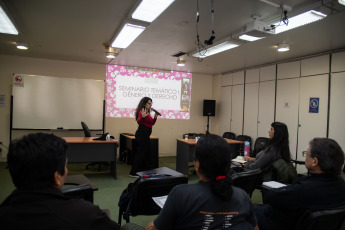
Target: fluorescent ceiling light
{"type": "Point", "coordinates": [6, 26]}
{"type": "Point", "coordinates": [341, 2]}
{"type": "Point", "coordinates": [127, 35]}
{"type": "Point", "coordinates": [149, 10]}
{"type": "Point", "coordinates": [300, 20]}
{"type": "Point", "coordinates": [215, 49]}
{"type": "Point", "coordinates": [249, 38]}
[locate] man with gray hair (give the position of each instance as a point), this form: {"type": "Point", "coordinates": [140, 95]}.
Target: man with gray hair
{"type": "Point", "coordinates": [323, 189]}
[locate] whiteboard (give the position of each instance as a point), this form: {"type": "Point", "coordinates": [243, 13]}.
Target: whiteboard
{"type": "Point", "coordinates": [42, 102]}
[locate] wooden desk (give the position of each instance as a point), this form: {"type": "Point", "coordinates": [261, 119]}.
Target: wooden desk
{"type": "Point", "coordinates": [185, 152]}
{"type": "Point", "coordinates": [128, 144]}
{"type": "Point", "coordinates": [85, 149]}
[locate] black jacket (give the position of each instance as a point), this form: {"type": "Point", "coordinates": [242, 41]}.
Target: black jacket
{"type": "Point", "coordinates": [50, 209]}
{"type": "Point", "coordinates": [317, 191]}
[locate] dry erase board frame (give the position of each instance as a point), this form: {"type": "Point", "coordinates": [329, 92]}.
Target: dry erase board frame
{"type": "Point", "coordinates": [43, 102]}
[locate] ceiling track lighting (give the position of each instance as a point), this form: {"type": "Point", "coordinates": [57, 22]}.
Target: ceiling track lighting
{"type": "Point", "coordinates": [180, 62]}
{"type": "Point", "coordinates": [22, 46]}
{"type": "Point", "coordinates": [110, 55]}
{"type": "Point", "coordinates": [283, 47]}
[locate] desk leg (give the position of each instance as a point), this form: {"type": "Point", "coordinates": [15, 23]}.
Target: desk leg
{"type": "Point", "coordinates": [182, 157]}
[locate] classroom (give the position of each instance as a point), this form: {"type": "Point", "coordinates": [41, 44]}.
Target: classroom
{"type": "Point", "coordinates": [253, 84]}
{"type": "Point", "coordinates": [245, 66]}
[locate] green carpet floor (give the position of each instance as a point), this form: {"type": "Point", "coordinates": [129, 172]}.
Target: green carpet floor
{"type": "Point", "coordinates": [109, 189]}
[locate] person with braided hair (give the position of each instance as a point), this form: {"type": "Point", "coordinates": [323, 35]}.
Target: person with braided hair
{"type": "Point", "coordinates": [212, 203]}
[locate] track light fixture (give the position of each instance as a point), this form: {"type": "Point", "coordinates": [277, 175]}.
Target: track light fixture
{"type": "Point", "coordinates": [181, 62]}
{"type": "Point", "coordinates": [283, 47]}
{"type": "Point", "coordinates": [22, 46]}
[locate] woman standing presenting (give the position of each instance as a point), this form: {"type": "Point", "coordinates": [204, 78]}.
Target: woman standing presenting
{"type": "Point", "coordinates": [142, 159]}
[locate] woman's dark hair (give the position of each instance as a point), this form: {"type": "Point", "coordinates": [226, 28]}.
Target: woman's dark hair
{"type": "Point", "coordinates": [141, 105]}
{"type": "Point", "coordinates": [33, 160]}
{"type": "Point", "coordinates": [214, 156]}
{"type": "Point", "coordinates": [280, 140]}
{"type": "Point", "coordinates": [329, 154]}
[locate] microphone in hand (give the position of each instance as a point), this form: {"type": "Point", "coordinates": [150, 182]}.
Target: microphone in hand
{"type": "Point", "coordinates": [158, 113]}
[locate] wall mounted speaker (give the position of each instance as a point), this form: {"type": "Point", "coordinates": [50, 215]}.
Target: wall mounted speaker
{"type": "Point", "coordinates": [209, 108]}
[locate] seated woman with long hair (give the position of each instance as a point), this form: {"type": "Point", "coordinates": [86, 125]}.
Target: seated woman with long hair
{"type": "Point", "coordinates": [277, 148]}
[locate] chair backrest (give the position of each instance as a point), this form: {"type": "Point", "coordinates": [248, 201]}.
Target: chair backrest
{"type": "Point", "coordinates": [243, 138]}
{"type": "Point", "coordinates": [259, 145]}
{"type": "Point", "coordinates": [86, 129]}
{"type": "Point", "coordinates": [83, 191]}
{"type": "Point", "coordinates": [141, 202]}
{"type": "Point", "coordinates": [330, 219]}
{"type": "Point", "coordinates": [247, 180]}
{"type": "Point", "coordinates": [229, 135]}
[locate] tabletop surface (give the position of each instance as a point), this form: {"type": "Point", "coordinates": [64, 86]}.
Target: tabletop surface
{"type": "Point", "coordinates": [87, 140]}
{"type": "Point", "coordinates": [132, 136]}
{"type": "Point", "coordinates": [193, 142]}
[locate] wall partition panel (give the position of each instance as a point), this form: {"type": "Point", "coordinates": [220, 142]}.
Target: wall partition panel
{"type": "Point", "coordinates": [312, 112]}
{"type": "Point", "coordinates": [225, 109]}
{"type": "Point", "coordinates": [289, 70]}
{"type": "Point", "coordinates": [338, 60]}
{"type": "Point", "coordinates": [315, 65]}
{"type": "Point", "coordinates": [266, 107]}
{"type": "Point", "coordinates": [287, 105]}
{"type": "Point", "coordinates": [268, 73]}
{"type": "Point", "coordinates": [237, 96]}
{"type": "Point", "coordinates": [336, 113]}
{"type": "Point", "coordinates": [251, 104]}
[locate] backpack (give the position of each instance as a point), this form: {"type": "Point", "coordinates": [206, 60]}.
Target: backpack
{"type": "Point", "coordinates": [126, 195]}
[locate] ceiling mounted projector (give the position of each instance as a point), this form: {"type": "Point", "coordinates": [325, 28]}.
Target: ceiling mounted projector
{"type": "Point", "coordinates": [257, 29]}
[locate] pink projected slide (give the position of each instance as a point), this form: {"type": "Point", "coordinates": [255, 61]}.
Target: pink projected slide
{"type": "Point", "coordinates": [170, 91]}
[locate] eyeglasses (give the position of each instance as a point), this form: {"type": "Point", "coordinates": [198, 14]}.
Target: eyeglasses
{"type": "Point", "coordinates": [150, 103]}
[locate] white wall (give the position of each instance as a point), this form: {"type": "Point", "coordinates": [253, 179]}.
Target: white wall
{"type": "Point", "coordinates": [167, 130]}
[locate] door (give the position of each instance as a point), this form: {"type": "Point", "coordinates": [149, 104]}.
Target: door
{"type": "Point", "coordinates": [312, 113]}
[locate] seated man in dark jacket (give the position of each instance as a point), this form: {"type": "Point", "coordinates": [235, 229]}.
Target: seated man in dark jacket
{"type": "Point", "coordinates": [324, 188]}
{"type": "Point", "coordinates": [37, 164]}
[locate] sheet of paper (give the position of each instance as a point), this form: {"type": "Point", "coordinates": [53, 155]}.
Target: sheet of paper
{"type": "Point", "coordinates": [273, 184]}
{"type": "Point", "coordinates": [239, 159]}
{"type": "Point", "coordinates": [160, 200]}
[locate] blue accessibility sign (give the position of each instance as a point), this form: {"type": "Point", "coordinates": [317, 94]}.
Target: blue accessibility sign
{"type": "Point", "coordinates": [314, 105]}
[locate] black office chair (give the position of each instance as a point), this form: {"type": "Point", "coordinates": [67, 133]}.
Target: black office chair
{"type": "Point", "coordinates": [330, 219]}
{"type": "Point", "coordinates": [87, 133]}
{"type": "Point", "coordinates": [259, 145]}
{"type": "Point", "coordinates": [243, 138]}
{"type": "Point", "coordinates": [141, 202]}
{"type": "Point", "coordinates": [247, 180]}
{"type": "Point", "coordinates": [83, 191]}
{"type": "Point", "coordinates": [229, 135]}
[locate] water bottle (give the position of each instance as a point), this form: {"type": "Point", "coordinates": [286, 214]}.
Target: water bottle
{"type": "Point", "coordinates": [246, 148]}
